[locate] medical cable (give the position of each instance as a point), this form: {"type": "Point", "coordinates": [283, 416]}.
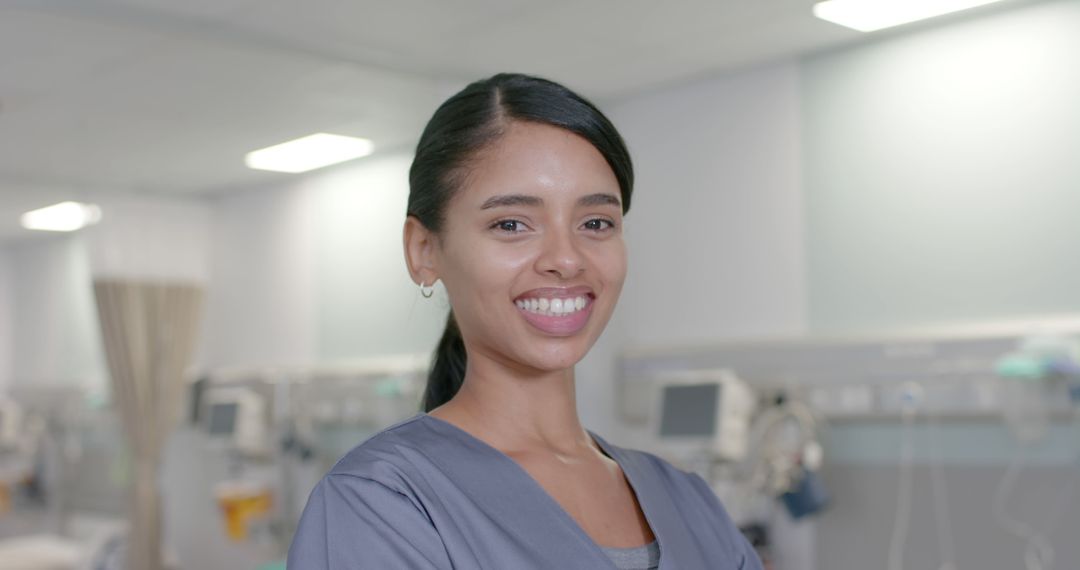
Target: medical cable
{"type": "Point", "coordinates": [902, 520]}
{"type": "Point", "coordinates": [1038, 553]}
{"type": "Point", "coordinates": [941, 500]}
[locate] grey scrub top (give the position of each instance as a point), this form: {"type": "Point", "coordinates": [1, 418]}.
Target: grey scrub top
{"type": "Point", "coordinates": [425, 494]}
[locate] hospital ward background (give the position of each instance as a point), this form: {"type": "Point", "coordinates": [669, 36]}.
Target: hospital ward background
{"type": "Point", "coordinates": [853, 302]}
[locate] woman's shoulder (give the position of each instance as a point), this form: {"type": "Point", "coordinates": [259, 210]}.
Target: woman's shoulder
{"type": "Point", "coordinates": [389, 456]}
{"type": "Point", "coordinates": [370, 509]}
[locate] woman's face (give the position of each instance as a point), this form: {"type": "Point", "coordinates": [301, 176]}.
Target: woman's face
{"type": "Point", "coordinates": [532, 253]}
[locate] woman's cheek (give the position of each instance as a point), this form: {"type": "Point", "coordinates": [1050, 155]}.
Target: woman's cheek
{"type": "Point", "coordinates": [611, 260]}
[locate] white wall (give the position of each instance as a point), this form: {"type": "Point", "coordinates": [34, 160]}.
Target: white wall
{"type": "Point", "coordinates": [313, 271]}
{"type": "Point", "coordinates": [366, 302]}
{"type": "Point", "coordinates": [7, 319]}
{"type": "Point", "coordinates": [260, 304]}
{"type": "Point", "coordinates": [942, 172]}
{"type": "Point", "coordinates": [152, 238]}
{"type": "Point", "coordinates": [715, 230]}
{"type": "Point", "coordinates": [57, 341]}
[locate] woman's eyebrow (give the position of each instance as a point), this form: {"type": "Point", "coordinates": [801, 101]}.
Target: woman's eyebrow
{"type": "Point", "coordinates": [598, 199]}
{"type": "Point", "coordinates": [511, 200]}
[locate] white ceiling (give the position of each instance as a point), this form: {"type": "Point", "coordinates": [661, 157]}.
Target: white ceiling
{"type": "Point", "coordinates": [166, 96]}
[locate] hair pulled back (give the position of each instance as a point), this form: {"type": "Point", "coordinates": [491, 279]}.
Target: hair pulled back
{"type": "Point", "coordinates": [464, 125]}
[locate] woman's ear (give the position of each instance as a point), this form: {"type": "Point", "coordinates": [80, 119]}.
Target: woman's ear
{"type": "Point", "coordinates": [420, 246]}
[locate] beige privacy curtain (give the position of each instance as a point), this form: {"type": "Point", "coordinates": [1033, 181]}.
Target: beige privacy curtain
{"type": "Point", "coordinates": [149, 330]}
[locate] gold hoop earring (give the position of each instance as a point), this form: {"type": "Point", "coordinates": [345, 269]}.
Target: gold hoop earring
{"type": "Point", "coordinates": [428, 292]}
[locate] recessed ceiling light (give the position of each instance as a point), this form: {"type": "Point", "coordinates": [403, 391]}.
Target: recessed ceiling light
{"type": "Point", "coordinates": [62, 217]}
{"type": "Point", "coordinates": [870, 15]}
{"type": "Point", "coordinates": [308, 153]}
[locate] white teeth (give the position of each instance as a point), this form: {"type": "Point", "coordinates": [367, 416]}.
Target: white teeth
{"type": "Point", "coordinates": [552, 307]}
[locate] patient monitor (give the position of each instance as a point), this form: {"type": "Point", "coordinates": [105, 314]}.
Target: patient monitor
{"type": "Point", "coordinates": [237, 418]}
{"type": "Point", "coordinates": [709, 410]}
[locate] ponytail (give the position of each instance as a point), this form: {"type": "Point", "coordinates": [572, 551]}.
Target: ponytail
{"type": "Point", "coordinates": [447, 367]}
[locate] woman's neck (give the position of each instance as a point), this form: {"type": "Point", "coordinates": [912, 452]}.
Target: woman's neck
{"type": "Point", "coordinates": [513, 411]}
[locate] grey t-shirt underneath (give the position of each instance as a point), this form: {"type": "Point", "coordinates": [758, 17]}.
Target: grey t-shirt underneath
{"type": "Point", "coordinates": [645, 557]}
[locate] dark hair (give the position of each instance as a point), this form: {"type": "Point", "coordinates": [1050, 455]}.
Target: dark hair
{"type": "Point", "coordinates": [462, 126]}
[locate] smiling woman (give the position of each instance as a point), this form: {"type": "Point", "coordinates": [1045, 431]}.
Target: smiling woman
{"type": "Point", "coordinates": [517, 196]}
{"type": "Point", "coordinates": [555, 238]}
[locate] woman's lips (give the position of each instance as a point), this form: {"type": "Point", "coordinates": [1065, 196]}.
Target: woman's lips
{"type": "Point", "coordinates": [560, 325]}
{"type": "Point", "coordinates": [541, 308]}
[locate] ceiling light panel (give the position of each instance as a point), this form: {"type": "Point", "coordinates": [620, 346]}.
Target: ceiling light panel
{"type": "Point", "coordinates": [871, 15]}
{"type": "Point", "coordinates": [62, 217]}
{"type": "Point", "coordinates": [308, 153]}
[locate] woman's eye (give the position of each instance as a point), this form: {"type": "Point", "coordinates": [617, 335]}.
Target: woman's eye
{"type": "Point", "coordinates": [508, 226]}
{"type": "Point", "coordinates": [598, 224]}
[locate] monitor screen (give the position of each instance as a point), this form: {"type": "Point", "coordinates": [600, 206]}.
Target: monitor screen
{"type": "Point", "coordinates": [689, 410]}
{"type": "Point", "coordinates": [223, 418]}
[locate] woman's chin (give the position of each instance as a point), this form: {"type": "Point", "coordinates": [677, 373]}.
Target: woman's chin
{"type": "Point", "coordinates": [560, 358]}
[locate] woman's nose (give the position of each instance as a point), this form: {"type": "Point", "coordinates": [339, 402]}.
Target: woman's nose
{"type": "Point", "coordinates": [561, 256]}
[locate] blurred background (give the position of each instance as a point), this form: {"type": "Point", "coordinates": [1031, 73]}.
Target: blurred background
{"type": "Point", "coordinates": [853, 302]}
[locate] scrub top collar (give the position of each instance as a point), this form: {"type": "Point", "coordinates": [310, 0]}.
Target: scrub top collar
{"type": "Point", "coordinates": [536, 489]}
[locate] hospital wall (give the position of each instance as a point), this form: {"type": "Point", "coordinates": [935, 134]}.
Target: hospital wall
{"type": "Point", "coordinates": [312, 270]}
{"type": "Point", "coordinates": [941, 172]}
{"type": "Point", "coordinates": [56, 340]}
{"type": "Point", "coordinates": [7, 319]}
{"type": "Point", "coordinates": [260, 305]}
{"type": "Point", "coordinates": [715, 234]}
